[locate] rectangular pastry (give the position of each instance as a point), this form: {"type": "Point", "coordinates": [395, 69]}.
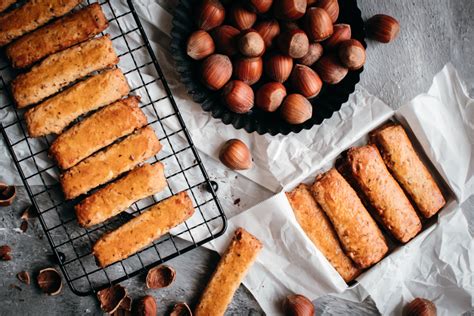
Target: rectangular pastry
{"type": "Point", "coordinates": [57, 36]}
{"type": "Point", "coordinates": [4, 4]}
{"type": "Point", "coordinates": [319, 229]}
{"type": "Point", "coordinates": [97, 131]}
{"type": "Point", "coordinates": [61, 69]}
{"type": "Point", "coordinates": [119, 195]}
{"type": "Point", "coordinates": [143, 229]}
{"type": "Point", "coordinates": [54, 114]}
{"type": "Point", "coordinates": [30, 16]}
{"type": "Point", "coordinates": [232, 268]}
{"type": "Point", "coordinates": [405, 165]}
{"type": "Point", "coordinates": [109, 163]}
{"type": "Point", "coordinates": [360, 236]}
{"type": "Point", "coordinates": [366, 167]}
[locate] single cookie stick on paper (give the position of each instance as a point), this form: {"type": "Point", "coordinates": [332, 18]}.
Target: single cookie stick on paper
{"type": "Point", "coordinates": [232, 268]}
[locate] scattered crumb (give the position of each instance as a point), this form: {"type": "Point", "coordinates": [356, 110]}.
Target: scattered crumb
{"type": "Point", "coordinates": [237, 201]}
{"type": "Point", "coordinates": [24, 226]}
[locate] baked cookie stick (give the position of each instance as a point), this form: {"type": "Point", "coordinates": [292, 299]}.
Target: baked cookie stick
{"type": "Point", "coordinates": [232, 268]}
{"type": "Point", "coordinates": [143, 229]}
{"type": "Point", "coordinates": [30, 16]}
{"type": "Point", "coordinates": [97, 131]}
{"type": "Point", "coordinates": [360, 236]}
{"type": "Point", "coordinates": [61, 69]}
{"type": "Point", "coordinates": [395, 211]}
{"type": "Point", "coordinates": [405, 165]}
{"type": "Point", "coordinates": [61, 34]}
{"type": "Point", "coordinates": [118, 196]}
{"type": "Point", "coordinates": [4, 4]}
{"type": "Point", "coordinates": [110, 163]}
{"type": "Point", "coordinates": [319, 229]}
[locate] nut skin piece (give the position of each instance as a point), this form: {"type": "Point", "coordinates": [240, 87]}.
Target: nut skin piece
{"type": "Point", "coordinates": [260, 6]}
{"type": "Point", "coordinates": [211, 13]}
{"type": "Point", "coordinates": [49, 281]}
{"type": "Point", "coordinates": [342, 32]}
{"type": "Point", "coordinates": [269, 30]}
{"type": "Point", "coordinates": [7, 194]}
{"type": "Point", "coordinates": [160, 277]}
{"type": "Point", "coordinates": [420, 307]}
{"type": "Point", "coordinates": [200, 45]}
{"type": "Point", "coordinates": [315, 52]}
{"type": "Point", "coordinates": [235, 155]}
{"type": "Point", "coordinates": [181, 309]}
{"type": "Point", "coordinates": [278, 67]}
{"type": "Point", "coordinates": [331, 7]}
{"type": "Point", "coordinates": [249, 70]}
{"type": "Point", "coordinates": [306, 81]}
{"type": "Point", "coordinates": [238, 96]}
{"type": "Point", "coordinates": [294, 43]}
{"type": "Point", "coordinates": [146, 306]}
{"type": "Point", "coordinates": [270, 96]}
{"type": "Point", "coordinates": [330, 69]}
{"type": "Point", "coordinates": [216, 71]}
{"type": "Point", "coordinates": [382, 28]}
{"type": "Point", "coordinates": [251, 44]}
{"type": "Point", "coordinates": [298, 305]}
{"type": "Point", "coordinates": [5, 253]}
{"type": "Point", "coordinates": [296, 109]}
{"type": "Point", "coordinates": [352, 54]}
{"type": "Point", "coordinates": [318, 24]}
{"type": "Point", "coordinates": [242, 18]}
{"type": "Point", "coordinates": [289, 10]}
{"type": "Point", "coordinates": [225, 39]}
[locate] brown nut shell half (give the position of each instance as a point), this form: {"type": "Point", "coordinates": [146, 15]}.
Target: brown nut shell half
{"type": "Point", "coordinates": [50, 281]}
{"type": "Point", "coordinates": [160, 277]}
{"type": "Point", "coordinates": [181, 309]}
{"type": "Point", "coordinates": [111, 298]}
{"type": "Point", "coordinates": [24, 277]}
{"type": "Point", "coordinates": [7, 194]}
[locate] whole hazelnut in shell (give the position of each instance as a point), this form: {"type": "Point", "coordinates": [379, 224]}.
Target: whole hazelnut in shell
{"type": "Point", "coordinates": [342, 32]}
{"type": "Point", "coordinates": [210, 13]}
{"type": "Point", "coordinates": [352, 54]}
{"type": "Point", "coordinates": [306, 81]}
{"type": "Point", "coordinates": [289, 10]}
{"type": "Point", "coordinates": [278, 67]}
{"type": "Point", "coordinates": [420, 307]}
{"type": "Point", "coordinates": [251, 44]}
{"type": "Point", "coordinates": [296, 109]}
{"type": "Point", "coordinates": [330, 69]}
{"type": "Point", "coordinates": [238, 96]}
{"type": "Point", "coordinates": [318, 24]}
{"type": "Point", "coordinates": [270, 96]}
{"type": "Point", "coordinates": [216, 71]}
{"type": "Point", "coordinates": [331, 7]}
{"type": "Point", "coordinates": [293, 43]}
{"type": "Point", "coordinates": [298, 305]}
{"type": "Point", "coordinates": [242, 18]}
{"type": "Point", "coordinates": [269, 30]}
{"type": "Point", "coordinates": [249, 70]}
{"type": "Point", "coordinates": [200, 45]}
{"type": "Point", "coordinates": [315, 52]}
{"type": "Point", "coordinates": [236, 155]}
{"type": "Point", "coordinates": [382, 28]}
{"type": "Point", "coordinates": [225, 39]}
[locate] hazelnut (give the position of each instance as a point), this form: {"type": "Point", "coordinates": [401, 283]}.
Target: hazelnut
{"type": "Point", "coordinates": [305, 81]}
{"type": "Point", "coordinates": [24, 277]}
{"type": "Point", "coordinates": [315, 51]}
{"type": "Point", "coordinates": [146, 306]}
{"type": "Point", "coordinates": [278, 67]}
{"type": "Point", "coordinates": [296, 109]}
{"type": "Point", "coordinates": [289, 9]}
{"type": "Point", "coordinates": [382, 28]}
{"type": "Point", "coordinates": [211, 13]}
{"type": "Point", "coordinates": [270, 96]}
{"type": "Point", "coordinates": [330, 69]}
{"type": "Point", "coordinates": [236, 155]}
{"type": "Point", "coordinates": [216, 71]}
{"type": "Point", "coordinates": [181, 309]}
{"type": "Point", "coordinates": [342, 32]}
{"type": "Point", "coordinates": [111, 298]}
{"type": "Point", "coordinates": [5, 251]}
{"type": "Point", "coordinates": [160, 277]}
{"type": "Point", "coordinates": [352, 54]}
{"type": "Point", "coordinates": [318, 24]}
{"type": "Point", "coordinates": [269, 30]}
{"type": "Point", "coordinates": [241, 18]}
{"type": "Point", "coordinates": [294, 43]}
{"type": "Point", "coordinates": [50, 282]}
{"type": "Point", "coordinates": [225, 39]}
{"type": "Point", "coordinates": [200, 45]}
{"type": "Point", "coordinates": [249, 70]}
{"type": "Point", "coordinates": [331, 7]}
{"type": "Point", "coordinates": [238, 96]}
{"type": "Point", "coordinates": [260, 6]}
{"type": "Point", "coordinates": [298, 305]}
{"type": "Point", "coordinates": [251, 44]}
{"type": "Point", "coordinates": [420, 307]}
{"type": "Point", "coordinates": [7, 194]}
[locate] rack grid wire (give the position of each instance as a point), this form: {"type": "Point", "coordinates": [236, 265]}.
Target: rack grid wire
{"type": "Point", "coordinates": [184, 171]}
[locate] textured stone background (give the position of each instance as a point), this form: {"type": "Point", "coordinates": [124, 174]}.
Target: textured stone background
{"type": "Point", "coordinates": [433, 33]}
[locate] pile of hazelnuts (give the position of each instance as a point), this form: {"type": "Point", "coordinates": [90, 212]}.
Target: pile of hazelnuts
{"type": "Point", "coordinates": [290, 40]}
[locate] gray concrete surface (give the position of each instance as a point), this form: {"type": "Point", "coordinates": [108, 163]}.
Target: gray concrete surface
{"type": "Point", "coordinates": [433, 33]}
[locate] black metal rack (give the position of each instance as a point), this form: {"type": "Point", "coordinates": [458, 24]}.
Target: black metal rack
{"type": "Point", "coordinates": [184, 170]}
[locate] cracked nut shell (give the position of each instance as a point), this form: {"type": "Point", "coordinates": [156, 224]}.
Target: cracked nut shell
{"type": "Point", "coordinates": [146, 306]}
{"type": "Point", "coordinates": [24, 277]}
{"type": "Point", "coordinates": [50, 281]}
{"type": "Point", "coordinates": [181, 309]}
{"type": "Point", "coordinates": [111, 298]}
{"type": "Point", "coordinates": [7, 194]}
{"type": "Point", "coordinates": [160, 277]}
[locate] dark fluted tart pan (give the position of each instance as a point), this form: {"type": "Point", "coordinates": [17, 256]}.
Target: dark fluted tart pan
{"type": "Point", "coordinates": [325, 104]}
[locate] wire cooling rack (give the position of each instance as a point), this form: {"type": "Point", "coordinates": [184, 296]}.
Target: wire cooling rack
{"type": "Point", "coordinates": [184, 171]}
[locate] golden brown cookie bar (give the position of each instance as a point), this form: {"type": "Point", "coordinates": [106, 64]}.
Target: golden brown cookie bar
{"type": "Point", "coordinates": [319, 229]}
{"type": "Point", "coordinates": [109, 163]}
{"type": "Point", "coordinates": [97, 131]}
{"type": "Point", "coordinates": [405, 165]}
{"type": "Point", "coordinates": [63, 33]}
{"type": "Point", "coordinates": [232, 268]}
{"type": "Point", "coordinates": [116, 197]}
{"type": "Point", "coordinates": [61, 69]}
{"type": "Point", "coordinates": [385, 195]}
{"type": "Point", "coordinates": [54, 114]}
{"type": "Point", "coordinates": [143, 229]}
{"type": "Point", "coordinates": [360, 236]}
{"type": "Point", "coordinates": [4, 4]}
{"type": "Point", "coordinates": [30, 16]}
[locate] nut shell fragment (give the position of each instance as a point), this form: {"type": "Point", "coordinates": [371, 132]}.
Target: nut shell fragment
{"type": "Point", "coordinates": [111, 298]}
{"type": "Point", "coordinates": [24, 277]}
{"type": "Point", "coordinates": [160, 277]}
{"type": "Point", "coordinates": [50, 281]}
{"type": "Point", "coordinates": [5, 253]}
{"type": "Point", "coordinates": [7, 194]}
{"type": "Point", "coordinates": [181, 309]}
